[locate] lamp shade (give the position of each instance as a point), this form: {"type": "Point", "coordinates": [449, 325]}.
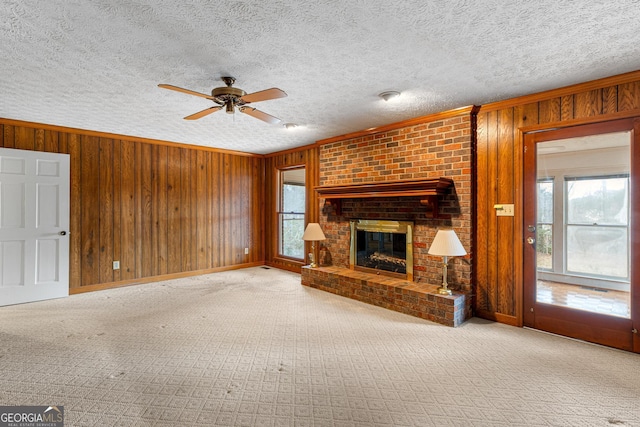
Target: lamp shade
{"type": "Point", "coordinates": [313, 232]}
{"type": "Point", "coordinates": [446, 243]}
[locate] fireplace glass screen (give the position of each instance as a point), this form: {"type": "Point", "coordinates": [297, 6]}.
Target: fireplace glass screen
{"type": "Point", "coordinates": [382, 251]}
{"type": "Point", "coordinates": [382, 246]}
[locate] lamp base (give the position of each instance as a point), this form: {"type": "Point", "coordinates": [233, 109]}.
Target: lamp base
{"type": "Point", "coordinates": [312, 261]}
{"type": "Point", "coordinates": [444, 291]}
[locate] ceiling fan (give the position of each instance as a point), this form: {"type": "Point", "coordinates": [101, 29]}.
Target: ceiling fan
{"type": "Point", "coordinates": [229, 98]}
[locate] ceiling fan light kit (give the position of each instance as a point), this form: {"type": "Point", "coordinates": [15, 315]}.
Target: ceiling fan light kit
{"type": "Point", "coordinates": [229, 97]}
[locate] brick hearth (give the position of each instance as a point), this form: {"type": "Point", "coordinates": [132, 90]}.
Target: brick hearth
{"type": "Point", "coordinates": [416, 299]}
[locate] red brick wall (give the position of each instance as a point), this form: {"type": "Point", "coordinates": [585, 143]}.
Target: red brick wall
{"type": "Point", "coordinates": [432, 149]}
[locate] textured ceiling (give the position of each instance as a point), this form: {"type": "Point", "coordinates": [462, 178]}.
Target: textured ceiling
{"type": "Point", "coordinates": [96, 64]}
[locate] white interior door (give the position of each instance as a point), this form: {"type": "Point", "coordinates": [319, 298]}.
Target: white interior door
{"type": "Point", "coordinates": [34, 224]}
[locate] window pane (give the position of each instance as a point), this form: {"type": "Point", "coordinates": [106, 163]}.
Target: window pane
{"type": "Point", "coordinates": [291, 231]}
{"type": "Point", "coordinates": [598, 251]}
{"type": "Point", "coordinates": [544, 247]}
{"type": "Point", "coordinates": [598, 201]}
{"type": "Point", "coordinates": [545, 201]}
{"type": "Point", "coordinates": [293, 198]}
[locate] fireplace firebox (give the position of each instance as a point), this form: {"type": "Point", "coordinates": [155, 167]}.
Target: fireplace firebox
{"type": "Point", "coordinates": [382, 247]}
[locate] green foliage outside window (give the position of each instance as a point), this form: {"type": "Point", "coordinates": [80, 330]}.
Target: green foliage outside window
{"type": "Point", "coordinates": [544, 229]}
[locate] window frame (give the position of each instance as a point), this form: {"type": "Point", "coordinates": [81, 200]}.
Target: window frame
{"type": "Point", "coordinates": [280, 211]}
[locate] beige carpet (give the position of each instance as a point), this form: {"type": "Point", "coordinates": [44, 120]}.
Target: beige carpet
{"type": "Point", "coordinates": [255, 348]}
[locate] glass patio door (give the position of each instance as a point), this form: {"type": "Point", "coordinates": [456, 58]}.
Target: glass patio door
{"type": "Point", "coordinates": [581, 233]}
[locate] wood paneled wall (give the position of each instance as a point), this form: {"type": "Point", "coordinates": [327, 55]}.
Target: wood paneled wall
{"type": "Point", "coordinates": [163, 210]}
{"type": "Point", "coordinates": [274, 163]}
{"type": "Point", "coordinates": [167, 210]}
{"type": "Point", "coordinates": [499, 180]}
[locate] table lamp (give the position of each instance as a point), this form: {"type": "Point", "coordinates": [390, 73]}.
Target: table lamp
{"type": "Point", "coordinates": [313, 233]}
{"type": "Point", "coordinates": [446, 244]}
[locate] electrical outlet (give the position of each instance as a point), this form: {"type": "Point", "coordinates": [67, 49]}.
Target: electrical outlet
{"type": "Point", "coordinates": [246, 251]}
{"type": "Point", "coordinates": [116, 265]}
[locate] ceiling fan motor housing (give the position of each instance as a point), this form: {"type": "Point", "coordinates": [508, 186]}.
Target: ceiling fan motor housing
{"type": "Point", "coordinates": [229, 96]}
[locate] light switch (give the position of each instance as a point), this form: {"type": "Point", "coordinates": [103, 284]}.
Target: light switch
{"type": "Point", "coordinates": [504, 210]}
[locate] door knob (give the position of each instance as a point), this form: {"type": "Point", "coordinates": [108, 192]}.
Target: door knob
{"type": "Point", "coordinates": [531, 240]}
{"type": "Point", "coordinates": [63, 233]}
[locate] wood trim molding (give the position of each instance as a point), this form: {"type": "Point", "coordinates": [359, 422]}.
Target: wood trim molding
{"type": "Point", "coordinates": [56, 128]}
{"type": "Point", "coordinates": [544, 127]}
{"type": "Point", "coordinates": [291, 150]}
{"type": "Point", "coordinates": [287, 265]}
{"type": "Point", "coordinates": [498, 317]}
{"type": "Point", "coordinates": [398, 125]}
{"type": "Point", "coordinates": [153, 279]}
{"type": "Point", "coordinates": [563, 91]}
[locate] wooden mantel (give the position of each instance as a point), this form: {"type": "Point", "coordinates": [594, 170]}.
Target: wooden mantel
{"type": "Point", "coordinates": [427, 189]}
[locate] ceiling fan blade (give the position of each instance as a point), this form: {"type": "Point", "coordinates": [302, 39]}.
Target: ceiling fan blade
{"type": "Point", "coordinates": [260, 115]}
{"type": "Point", "coordinates": [203, 113]}
{"type": "Point", "coordinates": [264, 95]}
{"type": "Point", "coordinates": [190, 92]}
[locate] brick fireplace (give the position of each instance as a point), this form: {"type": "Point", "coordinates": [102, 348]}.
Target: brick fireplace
{"type": "Point", "coordinates": [434, 148]}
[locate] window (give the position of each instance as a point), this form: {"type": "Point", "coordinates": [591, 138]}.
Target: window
{"type": "Point", "coordinates": [291, 213]}
{"type": "Point", "coordinates": [592, 232]}
{"type": "Point", "coordinates": [597, 233]}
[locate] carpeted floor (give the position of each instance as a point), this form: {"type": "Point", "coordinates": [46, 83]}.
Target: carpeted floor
{"type": "Point", "coordinates": [253, 347]}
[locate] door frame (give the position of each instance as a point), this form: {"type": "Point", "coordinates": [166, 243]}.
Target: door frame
{"type": "Point", "coordinates": [610, 330]}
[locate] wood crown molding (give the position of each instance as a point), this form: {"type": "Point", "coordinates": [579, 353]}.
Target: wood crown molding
{"type": "Point", "coordinates": [56, 128]}
{"type": "Point", "coordinates": [563, 91]}
{"type": "Point", "coordinates": [291, 150]}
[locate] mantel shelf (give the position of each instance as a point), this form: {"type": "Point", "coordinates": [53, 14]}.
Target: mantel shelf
{"type": "Point", "coordinates": [427, 189]}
